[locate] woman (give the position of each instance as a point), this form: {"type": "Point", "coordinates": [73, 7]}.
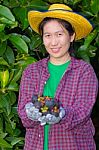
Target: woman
{"type": "Point", "coordinates": [71, 81]}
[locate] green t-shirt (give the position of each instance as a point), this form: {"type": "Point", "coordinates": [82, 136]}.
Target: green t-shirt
{"type": "Point", "coordinates": [56, 73]}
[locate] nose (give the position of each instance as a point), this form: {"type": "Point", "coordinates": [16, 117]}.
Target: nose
{"type": "Point", "coordinates": [54, 41]}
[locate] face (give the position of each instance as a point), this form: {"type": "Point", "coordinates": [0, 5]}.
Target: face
{"type": "Point", "coordinates": [57, 42]}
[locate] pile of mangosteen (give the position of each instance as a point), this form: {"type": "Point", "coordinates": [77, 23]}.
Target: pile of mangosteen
{"type": "Point", "coordinates": [46, 105]}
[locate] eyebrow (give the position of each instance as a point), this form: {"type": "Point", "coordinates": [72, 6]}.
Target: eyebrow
{"type": "Point", "coordinates": [55, 32]}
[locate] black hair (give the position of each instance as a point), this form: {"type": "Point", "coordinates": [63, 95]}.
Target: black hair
{"type": "Point", "coordinates": [64, 23]}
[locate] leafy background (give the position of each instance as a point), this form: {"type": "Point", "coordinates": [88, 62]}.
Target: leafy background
{"type": "Point", "coordinates": [20, 46]}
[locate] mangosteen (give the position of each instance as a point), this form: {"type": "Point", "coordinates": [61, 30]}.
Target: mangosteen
{"type": "Point", "coordinates": [55, 111]}
{"type": "Point", "coordinates": [56, 114]}
{"type": "Point", "coordinates": [34, 98]}
{"type": "Point", "coordinates": [56, 104]}
{"type": "Point", "coordinates": [37, 104]}
{"type": "Point", "coordinates": [49, 103]}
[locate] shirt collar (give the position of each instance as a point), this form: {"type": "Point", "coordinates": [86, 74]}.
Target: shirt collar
{"type": "Point", "coordinates": [74, 63]}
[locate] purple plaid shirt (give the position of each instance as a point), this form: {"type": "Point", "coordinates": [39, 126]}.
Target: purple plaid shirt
{"type": "Point", "coordinates": [77, 92]}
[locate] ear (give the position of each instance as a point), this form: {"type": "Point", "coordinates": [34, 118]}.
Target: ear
{"type": "Point", "coordinates": [72, 37]}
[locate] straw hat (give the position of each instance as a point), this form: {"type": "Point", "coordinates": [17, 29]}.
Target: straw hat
{"type": "Point", "coordinates": [80, 24]}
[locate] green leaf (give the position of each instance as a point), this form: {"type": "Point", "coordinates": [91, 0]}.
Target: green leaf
{"type": "Point", "coordinates": [76, 1]}
{"type": "Point", "coordinates": [17, 75]}
{"type": "Point", "coordinates": [2, 47]}
{"type": "Point", "coordinates": [35, 41]}
{"type": "Point", "coordinates": [19, 43]}
{"type": "Point", "coordinates": [8, 22]}
{"type": "Point", "coordinates": [12, 97]}
{"type": "Point", "coordinates": [16, 140]}
{"type": "Point", "coordinates": [1, 123]}
{"type": "Point", "coordinates": [10, 3]}
{"type": "Point", "coordinates": [21, 14]}
{"type": "Point", "coordinates": [8, 127]}
{"type": "Point", "coordinates": [29, 60]}
{"type": "Point", "coordinates": [14, 110]}
{"type": "Point", "coordinates": [97, 40]}
{"type": "Point", "coordinates": [5, 103]}
{"type": "Point", "coordinates": [4, 144]}
{"type": "Point", "coordinates": [86, 3]}
{"type": "Point", "coordinates": [5, 12]}
{"type": "Point", "coordinates": [88, 13]}
{"type": "Point", "coordinates": [82, 48]}
{"type": "Point", "coordinates": [38, 5]}
{"type": "Point", "coordinates": [95, 6]}
{"type": "Point", "coordinates": [90, 38]}
{"type": "Point", "coordinates": [13, 86]}
{"type": "Point", "coordinates": [24, 63]}
{"type": "Point", "coordinates": [91, 51]}
{"type": "Point", "coordinates": [1, 110]}
{"type": "Point", "coordinates": [3, 37]}
{"type": "Point", "coordinates": [17, 132]}
{"type": "Point", "coordinates": [4, 77]}
{"type": "Point", "coordinates": [11, 74]}
{"type": "Point", "coordinates": [55, 1]}
{"type": "Point", "coordinates": [3, 135]}
{"type": "Point", "coordinates": [83, 55]}
{"type": "Point", "coordinates": [2, 26]}
{"type": "Point", "coordinates": [26, 39]}
{"type": "Point", "coordinates": [3, 62]}
{"type": "Point", "coordinates": [10, 55]}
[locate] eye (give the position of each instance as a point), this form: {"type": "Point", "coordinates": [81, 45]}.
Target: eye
{"type": "Point", "coordinates": [47, 35]}
{"type": "Point", "coordinates": [60, 34]}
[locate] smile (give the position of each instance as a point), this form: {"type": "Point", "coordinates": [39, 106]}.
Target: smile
{"type": "Point", "coordinates": [55, 50]}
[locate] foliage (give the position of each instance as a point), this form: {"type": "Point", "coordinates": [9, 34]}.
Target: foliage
{"type": "Point", "coordinates": [20, 46]}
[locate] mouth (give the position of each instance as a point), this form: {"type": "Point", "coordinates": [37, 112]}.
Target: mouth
{"type": "Point", "coordinates": [55, 50]}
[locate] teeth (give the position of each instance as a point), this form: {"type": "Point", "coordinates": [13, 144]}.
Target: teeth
{"type": "Point", "coordinates": [55, 49]}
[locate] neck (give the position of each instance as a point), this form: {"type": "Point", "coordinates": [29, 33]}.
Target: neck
{"type": "Point", "coordinates": [60, 61]}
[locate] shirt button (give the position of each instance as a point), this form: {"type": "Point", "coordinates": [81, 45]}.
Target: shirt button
{"type": "Point", "coordinates": [39, 135]}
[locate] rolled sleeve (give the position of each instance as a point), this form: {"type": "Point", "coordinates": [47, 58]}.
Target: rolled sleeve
{"type": "Point", "coordinates": [25, 96]}
{"type": "Point", "coordinates": [85, 99]}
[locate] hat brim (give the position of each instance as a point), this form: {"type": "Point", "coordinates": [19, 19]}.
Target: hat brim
{"type": "Point", "coordinates": [80, 24]}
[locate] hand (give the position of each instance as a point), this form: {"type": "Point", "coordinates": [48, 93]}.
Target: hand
{"type": "Point", "coordinates": [51, 119]}
{"type": "Point", "coordinates": [42, 120]}
{"type": "Point", "coordinates": [62, 112]}
{"type": "Point", "coordinates": [32, 112]}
